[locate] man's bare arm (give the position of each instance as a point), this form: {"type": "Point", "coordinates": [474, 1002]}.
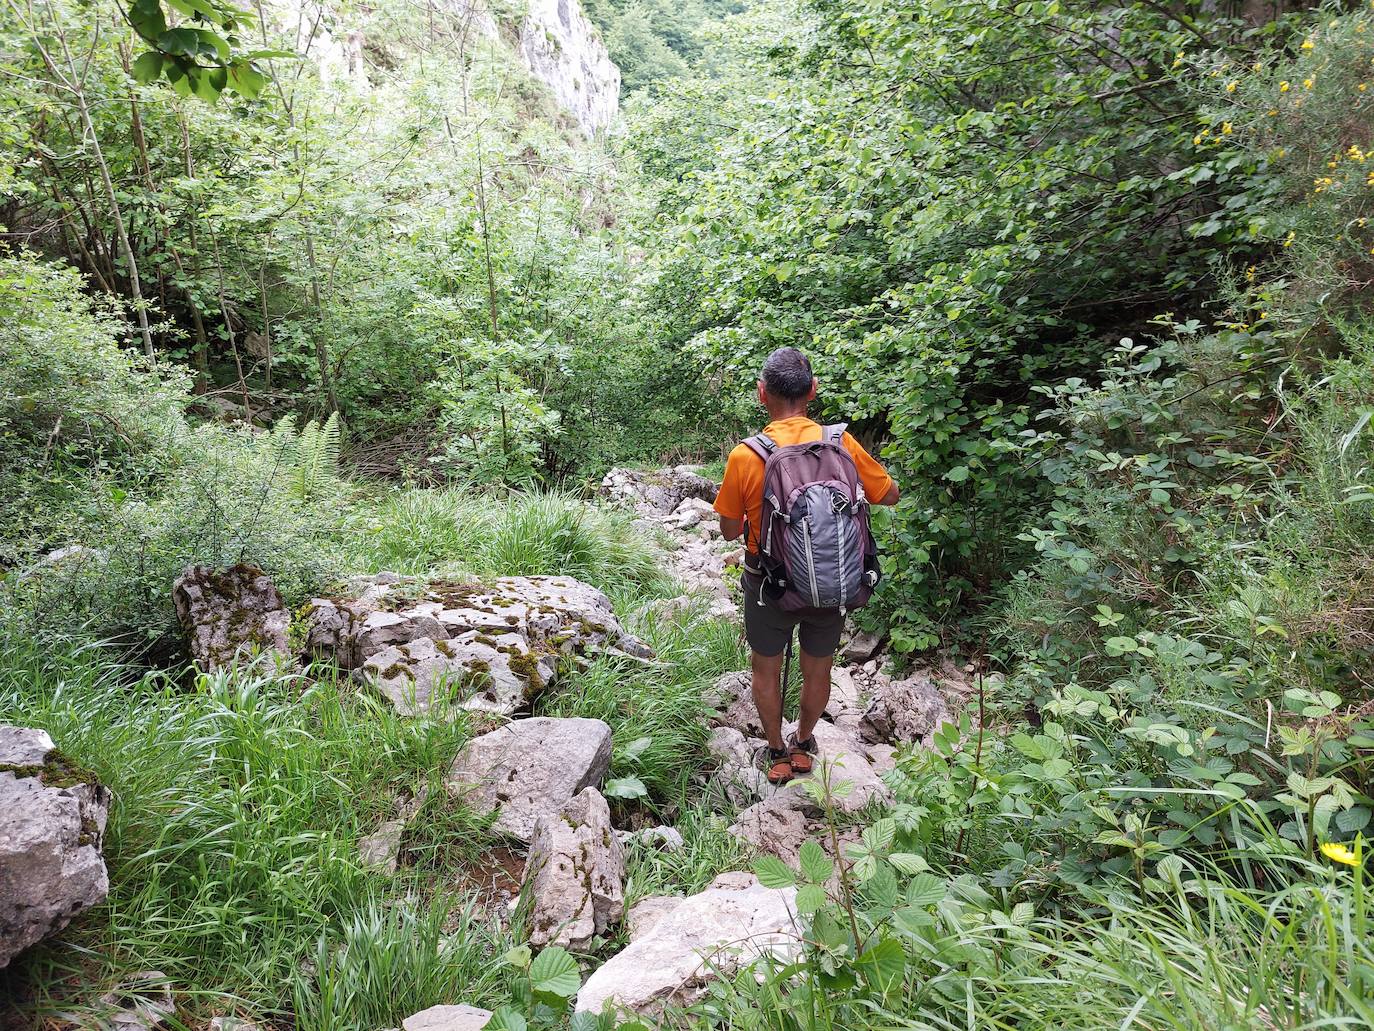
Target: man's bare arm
{"type": "Point", "coordinates": [731, 528]}
{"type": "Point", "coordinates": [890, 498]}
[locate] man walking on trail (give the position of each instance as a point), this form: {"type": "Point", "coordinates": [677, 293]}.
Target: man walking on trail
{"type": "Point", "coordinates": [785, 389]}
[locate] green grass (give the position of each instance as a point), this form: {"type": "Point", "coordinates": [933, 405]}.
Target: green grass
{"type": "Point", "coordinates": [231, 845]}
{"type": "Point", "coordinates": [447, 530]}
{"type": "Point", "coordinates": [1202, 952]}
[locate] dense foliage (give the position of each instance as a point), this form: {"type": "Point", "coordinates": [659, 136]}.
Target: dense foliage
{"type": "Point", "coordinates": [1095, 281]}
{"type": "Point", "coordinates": [955, 204]}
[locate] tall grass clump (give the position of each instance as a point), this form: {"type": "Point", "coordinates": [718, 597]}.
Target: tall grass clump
{"type": "Point", "coordinates": [452, 530]}
{"type": "Point", "coordinates": [238, 803]}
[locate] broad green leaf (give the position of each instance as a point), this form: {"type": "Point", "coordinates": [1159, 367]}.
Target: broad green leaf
{"type": "Point", "coordinates": [625, 787]}
{"type": "Point", "coordinates": [772, 872]}
{"type": "Point", "coordinates": [925, 889]}
{"type": "Point", "coordinates": [816, 866]}
{"type": "Point", "coordinates": [810, 897]}
{"type": "Point", "coordinates": [147, 67]}
{"type": "Point", "coordinates": [554, 972]}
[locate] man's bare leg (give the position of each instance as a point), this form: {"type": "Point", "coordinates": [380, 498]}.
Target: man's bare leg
{"type": "Point", "coordinates": [815, 692]}
{"type": "Point", "coordinates": [767, 687]}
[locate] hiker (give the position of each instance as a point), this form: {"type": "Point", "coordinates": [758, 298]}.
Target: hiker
{"type": "Point", "coordinates": [809, 557]}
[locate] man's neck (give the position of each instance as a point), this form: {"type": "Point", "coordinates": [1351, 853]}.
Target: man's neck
{"type": "Point", "coordinates": [779, 413]}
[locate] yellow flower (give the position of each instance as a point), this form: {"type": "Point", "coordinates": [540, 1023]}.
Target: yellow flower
{"type": "Point", "coordinates": [1284, 87]}
{"type": "Point", "coordinates": [1250, 274]}
{"type": "Point", "coordinates": [1231, 86]}
{"type": "Point", "coordinates": [1338, 853]}
{"type": "Point", "coordinates": [1288, 240]}
{"type": "Point", "coordinates": [1362, 86]}
{"type": "Point", "coordinates": [1178, 59]}
{"type": "Point", "coordinates": [1307, 44]}
{"type": "Point", "coordinates": [1197, 141]}
{"type": "Point", "coordinates": [1283, 151]}
{"type": "Point", "coordinates": [1355, 153]}
{"type": "Point", "coordinates": [1307, 83]}
{"type": "Point", "coordinates": [1272, 112]}
{"type": "Point", "coordinates": [1226, 128]}
{"type": "Point", "coordinates": [1369, 179]}
{"type": "Point", "coordinates": [1256, 66]}
{"type": "Point", "coordinates": [1361, 221]}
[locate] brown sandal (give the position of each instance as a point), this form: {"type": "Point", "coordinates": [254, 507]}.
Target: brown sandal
{"type": "Point", "coordinates": [799, 754]}
{"type": "Point", "coordinates": [779, 766]}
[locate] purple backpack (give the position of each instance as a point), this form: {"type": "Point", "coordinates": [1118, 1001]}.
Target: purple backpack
{"type": "Point", "coordinates": [815, 546]}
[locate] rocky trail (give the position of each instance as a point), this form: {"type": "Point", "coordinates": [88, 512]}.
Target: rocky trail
{"type": "Point", "coordinates": [493, 648]}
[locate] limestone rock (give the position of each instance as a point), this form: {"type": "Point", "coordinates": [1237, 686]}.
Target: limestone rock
{"type": "Point", "coordinates": [669, 839]}
{"type": "Point", "coordinates": [733, 922]}
{"type": "Point", "coordinates": [562, 48]}
{"type": "Point", "coordinates": [575, 873]}
{"type": "Point", "coordinates": [649, 911]}
{"type": "Point", "coordinates": [380, 850]}
{"type": "Point", "coordinates": [660, 491]}
{"type": "Point", "coordinates": [530, 768]}
{"type": "Point", "coordinates": [737, 774]}
{"type": "Point", "coordinates": [141, 1002]}
{"type": "Point", "coordinates": [732, 697]}
{"type": "Point", "coordinates": [231, 613]}
{"type": "Point", "coordinates": [780, 819]}
{"type": "Point", "coordinates": [490, 647]}
{"type": "Point", "coordinates": [846, 696]}
{"type": "Point", "coordinates": [903, 710]}
{"type": "Point", "coordinates": [52, 824]}
{"type": "Point", "coordinates": [447, 1018]}
{"type": "Point", "coordinates": [861, 647]}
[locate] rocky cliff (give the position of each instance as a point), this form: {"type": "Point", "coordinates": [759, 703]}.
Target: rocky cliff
{"type": "Point", "coordinates": [555, 41]}
{"type": "Point", "coordinates": [563, 49]}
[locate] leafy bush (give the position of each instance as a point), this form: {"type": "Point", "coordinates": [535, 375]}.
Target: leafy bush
{"type": "Point", "coordinates": [79, 414]}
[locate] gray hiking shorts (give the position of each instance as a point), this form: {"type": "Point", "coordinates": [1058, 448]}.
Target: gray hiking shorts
{"type": "Point", "coordinates": [767, 629]}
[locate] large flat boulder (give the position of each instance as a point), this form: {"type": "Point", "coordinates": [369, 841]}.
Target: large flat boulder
{"type": "Point", "coordinates": [485, 646]}
{"type": "Point", "coordinates": [52, 824]}
{"type": "Point", "coordinates": [575, 874]}
{"type": "Point", "coordinates": [230, 613]}
{"type": "Point", "coordinates": [734, 921]}
{"type": "Point", "coordinates": [530, 768]}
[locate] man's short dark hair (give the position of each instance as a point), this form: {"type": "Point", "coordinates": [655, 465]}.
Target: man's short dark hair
{"type": "Point", "coordinates": [787, 374]}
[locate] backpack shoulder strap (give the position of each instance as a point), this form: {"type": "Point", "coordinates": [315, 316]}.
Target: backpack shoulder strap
{"type": "Point", "coordinates": [834, 433]}
{"type": "Point", "coordinates": [762, 445]}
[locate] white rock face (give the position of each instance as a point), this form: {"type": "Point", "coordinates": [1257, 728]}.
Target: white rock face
{"type": "Point", "coordinates": [530, 768]}
{"type": "Point", "coordinates": [563, 49]}
{"type": "Point", "coordinates": [50, 837]}
{"type": "Point", "coordinates": [734, 921]}
{"type": "Point", "coordinates": [575, 873]}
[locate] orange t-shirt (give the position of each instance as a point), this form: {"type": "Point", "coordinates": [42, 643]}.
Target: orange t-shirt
{"type": "Point", "coordinates": [741, 494]}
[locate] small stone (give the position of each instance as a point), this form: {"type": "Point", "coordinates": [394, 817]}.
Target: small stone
{"type": "Point", "coordinates": [669, 839]}
{"type": "Point", "coordinates": [141, 1002]}
{"type": "Point", "coordinates": [447, 1018]}
{"type": "Point", "coordinates": [380, 850]}
{"type": "Point", "coordinates": [861, 647]}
